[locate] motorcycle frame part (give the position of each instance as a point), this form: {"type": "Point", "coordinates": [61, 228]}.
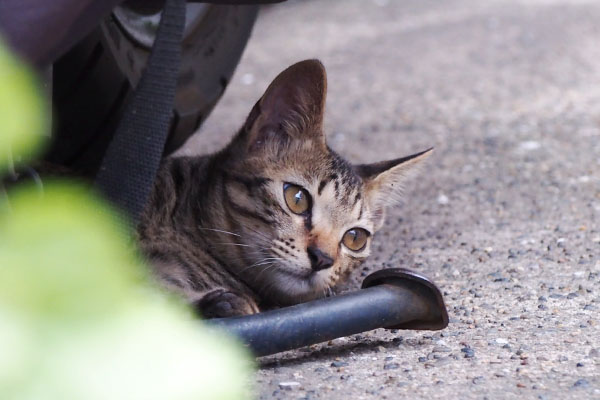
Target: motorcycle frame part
{"type": "Point", "coordinates": [392, 298]}
{"type": "Point", "coordinates": [437, 316]}
{"type": "Point", "coordinates": [211, 39]}
{"type": "Point", "coordinates": [60, 24]}
{"type": "Point", "coordinates": [95, 79]}
{"type": "Point", "coordinates": [95, 74]}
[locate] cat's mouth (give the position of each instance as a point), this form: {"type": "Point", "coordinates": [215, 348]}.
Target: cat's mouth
{"type": "Point", "coordinates": [296, 274]}
{"type": "Point", "coordinates": [292, 285]}
{"type": "Point", "coordinates": [294, 271]}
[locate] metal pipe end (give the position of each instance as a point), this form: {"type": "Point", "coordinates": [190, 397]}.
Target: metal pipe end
{"type": "Point", "coordinates": [436, 315]}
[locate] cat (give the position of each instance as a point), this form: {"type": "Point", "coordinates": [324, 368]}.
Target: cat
{"type": "Point", "coordinates": [276, 217]}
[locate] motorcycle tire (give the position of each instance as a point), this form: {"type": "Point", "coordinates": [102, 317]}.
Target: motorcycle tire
{"type": "Point", "coordinates": [92, 82]}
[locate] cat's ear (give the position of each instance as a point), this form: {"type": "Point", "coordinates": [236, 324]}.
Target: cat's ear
{"type": "Point", "coordinates": [384, 181]}
{"type": "Point", "coordinates": [292, 107]}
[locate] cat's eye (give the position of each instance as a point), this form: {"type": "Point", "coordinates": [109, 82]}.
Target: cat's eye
{"type": "Point", "coordinates": [296, 198]}
{"type": "Point", "coordinates": [355, 239]}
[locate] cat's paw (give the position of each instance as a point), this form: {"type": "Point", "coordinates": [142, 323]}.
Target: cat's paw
{"type": "Point", "coordinates": [222, 303]}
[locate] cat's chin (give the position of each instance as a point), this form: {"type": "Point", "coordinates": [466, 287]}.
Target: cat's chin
{"type": "Point", "coordinates": [296, 287]}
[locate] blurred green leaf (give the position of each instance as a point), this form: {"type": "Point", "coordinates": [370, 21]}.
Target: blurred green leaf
{"type": "Point", "coordinates": [19, 351]}
{"type": "Point", "coordinates": [82, 320]}
{"type": "Point", "coordinates": [62, 255]}
{"type": "Point", "coordinates": [150, 353]}
{"type": "Point", "coordinates": [79, 316]}
{"type": "Point", "coordinates": [23, 112]}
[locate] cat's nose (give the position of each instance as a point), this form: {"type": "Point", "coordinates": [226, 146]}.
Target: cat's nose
{"type": "Point", "coordinates": [318, 259]}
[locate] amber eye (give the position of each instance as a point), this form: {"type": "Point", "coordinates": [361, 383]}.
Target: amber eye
{"type": "Point", "coordinates": [296, 198]}
{"type": "Point", "coordinates": [355, 239]}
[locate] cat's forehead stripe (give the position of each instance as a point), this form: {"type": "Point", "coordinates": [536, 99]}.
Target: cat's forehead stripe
{"type": "Point", "coordinates": [360, 210]}
{"type": "Point", "coordinates": [321, 186]}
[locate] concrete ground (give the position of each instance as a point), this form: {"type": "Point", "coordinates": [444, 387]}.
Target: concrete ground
{"type": "Point", "coordinates": [505, 217]}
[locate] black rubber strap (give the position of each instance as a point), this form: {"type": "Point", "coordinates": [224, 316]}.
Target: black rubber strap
{"type": "Point", "coordinates": [129, 167]}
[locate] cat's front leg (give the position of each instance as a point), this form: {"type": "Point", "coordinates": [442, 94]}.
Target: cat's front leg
{"type": "Point", "coordinates": [223, 303]}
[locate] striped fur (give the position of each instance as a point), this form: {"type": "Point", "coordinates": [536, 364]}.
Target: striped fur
{"type": "Point", "coordinates": [218, 230]}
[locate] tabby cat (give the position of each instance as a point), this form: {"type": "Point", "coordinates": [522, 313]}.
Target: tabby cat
{"type": "Point", "coordinates": [276, 217]}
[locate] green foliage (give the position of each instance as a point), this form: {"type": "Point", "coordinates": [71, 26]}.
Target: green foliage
{"type": "Point", "coordinates": [79, 317]}
{"type": "Point", "coordinates": [80, 320]}
{"type": "Point", "coordinates": [23, 112]}
{"type": "Point", "coordinates": [66, 248]}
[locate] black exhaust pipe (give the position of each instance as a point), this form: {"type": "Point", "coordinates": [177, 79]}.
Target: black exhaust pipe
{"type": "Point", "coordinates": [393, 298]}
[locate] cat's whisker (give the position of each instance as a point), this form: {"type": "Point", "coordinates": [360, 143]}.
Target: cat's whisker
{"type": "Point", "coordinates": [259, 238]}
{"type": "Point", "coordinates": [262, 237]}
{"type": "Point", "coordinates": [266, 266]}
{"type": "Point", "coordinates": [252, 254]}
{"type": "Point", "coordinates": [269, 263]}
{"type": "Point", "coordinates": [237, 244]}
{"type": "Point", "coordinates": [259, 233]}
{"type": "Point", "coordinates": [273, 259]}
{"type": "Point", "coordinates": [262, 262]}
{"type": "Point", "coordinates": [268, 259]}
{"type": "Point", "coordinates": [273, 265]}
{"type": "Point", "coordinates": [218, 230]}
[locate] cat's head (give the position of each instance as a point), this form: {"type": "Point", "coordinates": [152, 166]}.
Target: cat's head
{"type": "Point", "coordinates": [305, 216]}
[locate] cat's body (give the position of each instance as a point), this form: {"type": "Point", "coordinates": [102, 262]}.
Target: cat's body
{"type": "Point", "coordinates": [187, 255]}
{"type": "Point", "coordinates": [276, 217]}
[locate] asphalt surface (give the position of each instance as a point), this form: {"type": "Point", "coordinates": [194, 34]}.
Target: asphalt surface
{"type": "Point", "coordinates": [505, 215]}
